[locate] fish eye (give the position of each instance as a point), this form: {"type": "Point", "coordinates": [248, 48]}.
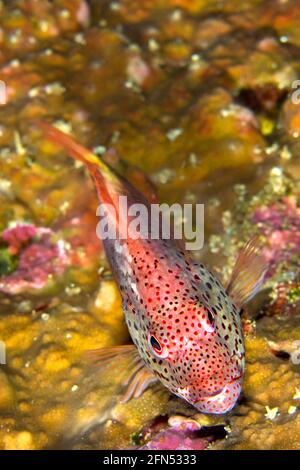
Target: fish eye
{"type": "Point", "coordinates": [208, 321]}
{"type": "Point", "coordinates": [155, 344]}
{"type": "Point", "coordinates": [157, 349]}
{"type": "Point", "coordinates": [210, 317]}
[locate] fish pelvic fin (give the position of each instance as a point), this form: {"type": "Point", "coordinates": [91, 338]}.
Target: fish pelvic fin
{"type": "Point", "coordinates": [248, 273]}
{"type": "Point", "coordinates": [137, 376]}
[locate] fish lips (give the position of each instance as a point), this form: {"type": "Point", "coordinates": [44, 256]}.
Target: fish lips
{"type": "Point", "coordinates": [223, 400]}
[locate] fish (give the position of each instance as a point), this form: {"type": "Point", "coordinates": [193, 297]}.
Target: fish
{"type": "Point", "coordinates": [184, 324]}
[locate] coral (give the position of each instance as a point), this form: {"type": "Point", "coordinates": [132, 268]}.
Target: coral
{"type": "Point", "coordinates": [271, 385]}
{"type": "Point", "coordinates": [181, 434]}
{"type": "Point", "coordinates": [191, 100]}
{"type": "Point", "coordinates": [38, 258]}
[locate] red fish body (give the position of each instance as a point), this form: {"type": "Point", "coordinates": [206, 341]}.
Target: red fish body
{"type": "Point", "coordinates": [185, 326]}
{"type": "Point", "coordinates": [183, 323]}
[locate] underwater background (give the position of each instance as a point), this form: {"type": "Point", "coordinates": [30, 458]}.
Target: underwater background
{"type": "Point", "coordinates": [194, 101]}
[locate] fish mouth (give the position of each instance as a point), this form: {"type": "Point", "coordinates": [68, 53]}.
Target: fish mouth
{"type": "Point", "coordinates": [216, 395]}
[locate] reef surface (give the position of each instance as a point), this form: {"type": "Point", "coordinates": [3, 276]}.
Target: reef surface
{"type": "Point", "coordinates": [210, 86]}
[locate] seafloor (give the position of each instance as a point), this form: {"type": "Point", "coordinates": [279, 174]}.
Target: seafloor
{"type": "Point", "coordinates": [192, 101]}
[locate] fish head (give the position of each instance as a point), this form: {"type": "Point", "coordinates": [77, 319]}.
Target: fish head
{"type": "Point", "coordinates": [213, 378]}
{"type": "Point", "coordinates": [201, 356]}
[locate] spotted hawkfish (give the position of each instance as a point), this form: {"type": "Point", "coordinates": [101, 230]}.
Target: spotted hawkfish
{"type": "Point", "coordinates": [185, 326]}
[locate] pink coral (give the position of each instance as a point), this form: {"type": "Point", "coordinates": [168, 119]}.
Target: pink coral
{"type": "Point", "coordinates": [280, 224]}
{"type": "Point", "coordinates": [39, 258]}
{"type": "Point", "coordinates": [182, 434]}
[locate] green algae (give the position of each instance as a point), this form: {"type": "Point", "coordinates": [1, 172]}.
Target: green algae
{"type": "Point", "coordinates": [8, 263]}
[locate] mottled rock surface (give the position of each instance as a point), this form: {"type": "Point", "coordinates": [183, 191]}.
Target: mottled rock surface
{"type": "Point", "coordinates": [192, 101]}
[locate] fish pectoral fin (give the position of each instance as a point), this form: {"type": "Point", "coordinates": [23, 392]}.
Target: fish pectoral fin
{"type": "Point", "coordinates": [103, 355]}
{"type": "Point", "coordinates": [137, 376]}
{"type": "Point", "coordinates": [137, 383]}
{"type": "Point", "coordinates": [248, 273]}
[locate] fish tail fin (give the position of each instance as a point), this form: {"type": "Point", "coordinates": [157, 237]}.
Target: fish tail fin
{"type": "Point", "coordinates": [109, 185]}
{"type": "Point", "coordinates": [74, 149]}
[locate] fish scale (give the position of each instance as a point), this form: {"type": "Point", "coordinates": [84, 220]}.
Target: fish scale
{"type": "Point", "coordinates": [184, 324]}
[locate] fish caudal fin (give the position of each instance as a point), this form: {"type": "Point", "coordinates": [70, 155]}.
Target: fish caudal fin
{"type": "Point", "coordinates": [106, 181]}
{"type": "Point", "coordinates": [74, 149]}
{"type": "Point", "coordinates": [137, 376]}
{"type": "Point", "coordinates": [248, 273]}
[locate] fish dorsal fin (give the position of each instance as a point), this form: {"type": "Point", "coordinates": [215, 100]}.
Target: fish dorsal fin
{"type": "Point", "coordinates": [248, 273]}
{"type": "Point", "coordinates": [137, 376]}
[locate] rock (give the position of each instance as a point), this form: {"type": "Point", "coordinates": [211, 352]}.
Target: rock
{"type": "Point", "coordinates": [6, 394]}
